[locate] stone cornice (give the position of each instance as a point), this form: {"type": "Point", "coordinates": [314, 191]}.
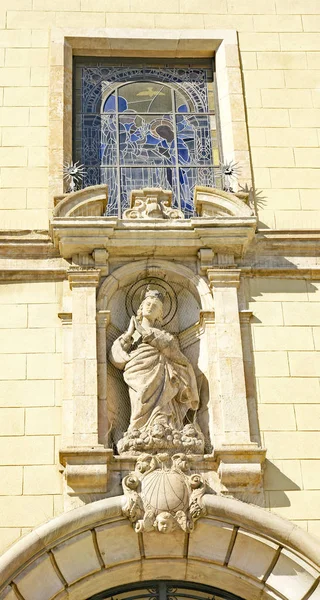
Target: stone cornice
{"type": "Point", "coordinates": [288, 241]}
{"type": "Point", "coordinates": [27, 244]}
{"type": "Point", "coordinates": [120, 237]}
{"type": "Point", "coordinates": [38, 244]}
{"type": "Point", "coordinates": [28, 255]}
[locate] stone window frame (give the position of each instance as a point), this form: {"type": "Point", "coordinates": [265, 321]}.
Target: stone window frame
{"type": "Point", "coordinates": [157, 43]}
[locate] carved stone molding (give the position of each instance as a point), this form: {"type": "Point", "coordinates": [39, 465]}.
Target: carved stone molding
{"type": "Point", "coordinates": [79, 277]}
{"type": "Point", "coordinates": [86, 470]}
{"type": "Point", "coordinates": [162, 494]}
{"type": "Point", "coordinates": [211, 202]}
{"type": "Point", "coordinates": [76, 233]}
{"type": "Point", "coordinates": [91, 201]}
{"type": "Point", "coordinates": [241, 468]}
{"type": "Point", "coordinates": [152, 203]}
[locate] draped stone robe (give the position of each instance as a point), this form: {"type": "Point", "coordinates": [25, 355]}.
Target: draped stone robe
{"type": "Point", "coordinates": [161, 380]}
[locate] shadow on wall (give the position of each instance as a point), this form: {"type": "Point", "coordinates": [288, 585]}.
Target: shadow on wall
{"type": "Point", "coordinates": [261, 286]}
{"type": "Point", "coordinates": [276, 481]}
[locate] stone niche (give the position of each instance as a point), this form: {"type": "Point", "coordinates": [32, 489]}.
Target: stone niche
{"type": "Point", "coordinates": [154, 373]}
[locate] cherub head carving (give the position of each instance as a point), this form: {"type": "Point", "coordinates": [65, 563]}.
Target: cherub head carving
{"type": "Point", "coordinates": [164, 522]}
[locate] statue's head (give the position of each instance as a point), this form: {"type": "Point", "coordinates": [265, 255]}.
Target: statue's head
{"type": "Point", "coordinates": [151, 307]}
{"type": "Point", "coordinates": [164, 522]}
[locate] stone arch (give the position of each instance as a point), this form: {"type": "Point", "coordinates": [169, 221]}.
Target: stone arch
{"type": "Point", "coordinates": [237, 547]}
{"type": "Point", "coordinates": [123, 275]}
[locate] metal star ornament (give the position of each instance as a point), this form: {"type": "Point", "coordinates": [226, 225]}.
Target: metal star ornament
{"type": "Point", "coordinates": [73, 173]}
{"type": "Point", "coordinates": [229, 172]}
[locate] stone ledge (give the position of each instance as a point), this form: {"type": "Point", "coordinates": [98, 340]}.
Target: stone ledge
{"type": "Point", "coordinates": [240, 468]}
{"type": "Point", "coordinates": [183, 237]}
{"type": "Point", "coordinates": [86, 470]}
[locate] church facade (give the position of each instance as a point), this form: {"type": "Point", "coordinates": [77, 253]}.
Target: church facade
{"type": "Point", "coordinates": [160, 292]}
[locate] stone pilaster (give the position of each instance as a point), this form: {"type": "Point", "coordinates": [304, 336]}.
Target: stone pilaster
{"type": "Point", "coordinates": [83, 283]}
{"type": "Point", "coordinates": [67, 377]}
{"type": "Point", "coordinates": [230, 368]}
{"type": "Point", "coordinates": [240, 460]}
{"type": "Point", "coordinates": [103, 320]}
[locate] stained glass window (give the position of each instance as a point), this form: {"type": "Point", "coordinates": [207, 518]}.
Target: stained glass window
{"type": "Point", "coordinates": [146, 125]}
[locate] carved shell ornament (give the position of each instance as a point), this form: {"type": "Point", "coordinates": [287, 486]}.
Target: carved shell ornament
{"type": "Point", "coordinates": [162, 495]}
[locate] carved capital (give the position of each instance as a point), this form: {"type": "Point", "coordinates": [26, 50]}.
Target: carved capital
{"type": "Point", "coordinates": [66, 318]}
{"type": "Point", "coordinates": [245, 316]}
{"type": "Point", "coordinates": [83, 277]}
{"type": "Point", "coordinates": [224, 277]}
{"type": "Point", "coordinates": [103, 318]}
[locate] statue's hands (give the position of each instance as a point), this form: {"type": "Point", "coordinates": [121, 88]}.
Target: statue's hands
{"type": "Point", "coordinates": [126, 338]}
{"type": "Point", "coordinates": [131, 328]}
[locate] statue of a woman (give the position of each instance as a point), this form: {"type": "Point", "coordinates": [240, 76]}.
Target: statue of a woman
{"type": "Point", "coordinates": [161, 382]}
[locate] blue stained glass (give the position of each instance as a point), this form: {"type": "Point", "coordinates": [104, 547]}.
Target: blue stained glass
{"type": "Point", "coordinates": [99, 139]}
{"type": "Point", "coordinates": [146, 140]}
{"type": "Point", "coordinates": [189, 177]}
{"type": "Point", "coordinates": [98, 82]}
{"type": "Point", "coordinates": [146, 126]}
{"type": "Point", "coordinates": [145, 97]}
{"type": "Point", "coordinates": [136, 178]}
{"type": "Point", "coordinates": [194, 139]}
{"type": "Point", "coordinates": [110, 104]}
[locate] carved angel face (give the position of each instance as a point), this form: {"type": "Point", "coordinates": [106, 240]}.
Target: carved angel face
{"type": "Point", "coordinates": [164, 522]}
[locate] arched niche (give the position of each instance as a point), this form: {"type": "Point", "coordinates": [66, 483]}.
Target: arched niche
{"type": "Point", "coordinates": [148, 268]}
{"type": "Point", "coordinates": [241, 549]}
{"type": "Point", "coordinates": [188, 305]}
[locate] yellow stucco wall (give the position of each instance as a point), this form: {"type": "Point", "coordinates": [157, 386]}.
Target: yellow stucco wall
{"type": "Point", "coordinates": [279, 48]}
{"type": "Point", "coordinates": [280, 59]}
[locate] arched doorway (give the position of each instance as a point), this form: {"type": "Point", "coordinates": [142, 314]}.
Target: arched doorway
{"type": "Point", "coordinates": [239, 549]}
{"type": "Point", "coordinates": [165, 590]}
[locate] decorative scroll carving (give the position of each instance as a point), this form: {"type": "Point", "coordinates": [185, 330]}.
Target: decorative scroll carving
{"type": "Point", "coordinates": [152, 203]}
{"type": "Point", "coordinates": [162, 385]}
{"type": "Point", "coordinates": [162, 495]}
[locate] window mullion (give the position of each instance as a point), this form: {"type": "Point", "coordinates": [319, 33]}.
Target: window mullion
{"type": "Point", "coordinates": [176, 167]}
{"type": "Point", "coordinates": [118, 174]}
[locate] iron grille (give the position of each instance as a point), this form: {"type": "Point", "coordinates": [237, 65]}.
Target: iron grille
{"type": "Point", "coordinates": [165, 590]}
